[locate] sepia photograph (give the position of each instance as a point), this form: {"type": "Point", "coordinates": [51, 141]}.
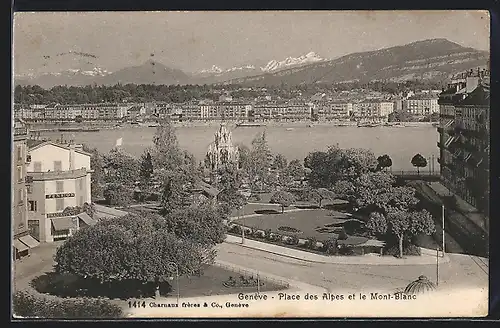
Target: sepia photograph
{"type": "Point", "coordinates": [250, 164]}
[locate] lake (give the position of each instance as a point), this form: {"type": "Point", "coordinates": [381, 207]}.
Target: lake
{"type": "Point", "coordinates": [401, 144]}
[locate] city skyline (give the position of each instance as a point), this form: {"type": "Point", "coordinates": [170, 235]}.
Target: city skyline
{"type": "Point", "coordinates": [227, 39]}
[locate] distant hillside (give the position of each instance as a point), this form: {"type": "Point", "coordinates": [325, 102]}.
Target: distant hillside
{"type": "Point", "coordinates": [432, 59]}
{"type": "Point", "coordinates": [150, 72]}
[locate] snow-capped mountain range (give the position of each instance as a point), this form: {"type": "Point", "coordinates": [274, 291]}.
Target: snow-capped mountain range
{"type": "Point", "coordinates": [271, 66]}
{"type": "Point", "coordinates": [432, 59]}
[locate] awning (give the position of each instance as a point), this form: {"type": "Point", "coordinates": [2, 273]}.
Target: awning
{"type": "Point", "coordinates": [61, 224]}
{"type": "Point", "coordinates": [29, 241]}
{"type": "Point", "coordinates": [87, 219]}
{"type": "Point", "coordinates": [20, 246]}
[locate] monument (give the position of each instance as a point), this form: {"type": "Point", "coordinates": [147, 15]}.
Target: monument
{"type": "Point", "coordinates": [221, 152]}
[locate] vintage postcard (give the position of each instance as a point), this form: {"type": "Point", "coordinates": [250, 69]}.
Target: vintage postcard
{"type": "Point", "coordinates": [285, 164]}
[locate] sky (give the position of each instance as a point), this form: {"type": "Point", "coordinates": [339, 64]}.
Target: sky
{"type": "Point", "coordinates": [192, 41]}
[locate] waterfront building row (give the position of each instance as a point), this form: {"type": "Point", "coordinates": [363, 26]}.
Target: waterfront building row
{"type": "Point", "coordinates": [323, 110]}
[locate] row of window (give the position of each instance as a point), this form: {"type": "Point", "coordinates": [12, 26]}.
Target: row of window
{"type": "Point", "coordinates": [60, 204]}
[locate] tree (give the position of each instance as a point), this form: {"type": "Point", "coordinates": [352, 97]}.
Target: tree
{"type": "Point", "coordinates": [243, 160]}
{"type": "Point", "coordinates": [369, 186]}
{"type": "Point", "coordinates": [121, 168]}
{"type": "Point", "coordinates": [282, 198]}
{"type": "Point", "coordinates": [118, 194]}
{"type": "Point", "coordinates": [279, 162]}
{"type": "Point", "coordinates": [384, 162]}
{"type": "Point", "coordinates": [75, 210]}
{"type": "Point", "coordinates": [418, 161]}
{"type": "Point", "coordinates": [146, 171]}
{"type": "Point", "coordinates": [166, 151]}
{"type": "Point", "coordinates": [407, 224]}
{"type": "Point", "coordinates": [295, 170]}
{"type": "Point", "coordinates": [131, 248]}
{"type": "Point", "coordinates": [338, 164]}
{"type": "Point", "coordinates": [259, 159]}
{"type": "Point", "coordinates": [97, 177]}
{"type": "Point", "coordinates": [175, 194]}
{"type": "Point", "coordinates": [322, 194]}
{"type": "Point", "coordinates": [202, 224]}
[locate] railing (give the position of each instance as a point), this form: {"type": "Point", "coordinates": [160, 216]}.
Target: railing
{"type": "Point", "coordinates": [423, 173]}
{"type": "Point", "coordinates": [54, 175]}
{"type": "Point", "coordinates": [20, 131]}
{"type": "Point", "coordinates": [254, 274]}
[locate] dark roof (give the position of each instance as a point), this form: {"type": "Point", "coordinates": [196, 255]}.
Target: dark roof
{"type": "Point", "coordinates": [32, 143]}
{"type": "Point", "coordinates": [480, 96]}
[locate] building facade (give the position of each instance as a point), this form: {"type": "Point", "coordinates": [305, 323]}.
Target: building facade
{"type": "Point", "coordinates": [371, 110]}
{"type": "Point", "coordinates": [23, 242]}
{"type": "Point", "coordinates": [421, 105]}
{"type": "Point", "coordinates": [333, 110]}
{"type": "Point", "coordinates": [60, 177]}
{"type": "Point", "coordinates": [464, 134]}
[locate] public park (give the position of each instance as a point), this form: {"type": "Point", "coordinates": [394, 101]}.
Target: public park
{"type": "Point", "coordinates": [177, 211]}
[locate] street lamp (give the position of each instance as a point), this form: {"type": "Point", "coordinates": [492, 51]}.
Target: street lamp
{"type": "Point", "coordinates": [442, 224]}
{"type": "Point", "coordinates": [174, 266]}
{"type": "Point", "coordinates": [243, 226]}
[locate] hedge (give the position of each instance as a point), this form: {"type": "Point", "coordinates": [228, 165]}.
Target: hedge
{"type": "Point", "coordinates": [28, 305]}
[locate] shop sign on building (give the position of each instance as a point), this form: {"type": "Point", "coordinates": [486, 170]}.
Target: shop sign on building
{"type": "Point", "coordinates": [65, 195]}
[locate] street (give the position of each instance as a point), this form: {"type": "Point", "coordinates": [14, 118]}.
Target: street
{"type": "Point", "coordinates": [461, 271]}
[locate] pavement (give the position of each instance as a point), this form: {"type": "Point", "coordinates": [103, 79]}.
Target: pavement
{"type": "Point", "coordinates": [428, 257]}
{"type": "Point", "coordinates": [464, 208]}
{"type": "Point", "coordinates": [459, 271]}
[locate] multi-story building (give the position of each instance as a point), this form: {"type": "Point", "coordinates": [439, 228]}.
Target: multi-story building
{"type": "Point", "coordinates": [298, 111]}
{"type": "Point", "coordinates": [270, 110]}
{"type": "Point", "coordinates": [421, 104]}
{"type": "Point", "coordinates": [22, 240]}
{"type": "Point", "coordinates": [332, 110]}
{"type": "Point", "coordinates": [464, 137]}
{"type": "Point", "coordinates": [232, 110]}
{"type": "Point", "coordinates": [191, 111]}
{"type": "Point", "coordinates": [208, 110]}
{"type": "Point", "coordinates": [372, 110]}
{"type": "Point", "coordinates": [59, 177]}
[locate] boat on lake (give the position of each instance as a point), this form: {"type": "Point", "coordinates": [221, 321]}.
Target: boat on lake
{"type": "Point", "coordinates": [78, 130]}
{"type": "Point", "coordinates": [368, 125]}
{"type": "Point", "coordinates": [249, 124]}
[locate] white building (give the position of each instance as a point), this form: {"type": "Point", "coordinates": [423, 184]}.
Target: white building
{"type": "Point", "coordinates": [59, 177]}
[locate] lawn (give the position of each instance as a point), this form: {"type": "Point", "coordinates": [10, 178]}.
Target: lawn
{"type": "Point", "coordinates": [307, 221]}
{"type": "Point", "coordinates": [210, 283]}
{"type": "Point", "coordinates": [256, 209]}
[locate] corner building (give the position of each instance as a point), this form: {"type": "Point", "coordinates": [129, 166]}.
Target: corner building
{"type": "Point", "coordinates": [60, 177]}
{"type": "Point", "coordinates": [23, 242]}
{"type": "Point", "coordinates": [464, 134]}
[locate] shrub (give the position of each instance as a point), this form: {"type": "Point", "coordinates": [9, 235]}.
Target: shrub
{"type": "Point", "coordinates": [292, 240]}
{"type": "Point", "coordinates": [267, 234]}
{"type": "Point", "coordinates": [330, 246]}
{"type": "Point", "coordinates": [27, 305]}
{"type": "Point", "coordinates": [276, 237]}
{"type": "Point", "coordinates": [311, 243]}
{"type": "Point", "coordinates": [236, 229]}
{"type": "Point", "coordinates": [289, 229]}
{"type": "Point", "coordinates": [258, 234]}
{"type": "Point", "coordinates": [342, 234]}
{"type": "Point", "coordinates": [346, 250]}
{"type": "Point", "coordinates": [408, 249]}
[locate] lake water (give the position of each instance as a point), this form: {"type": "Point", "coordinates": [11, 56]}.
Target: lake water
{"type": "Point", "coordinates": [294, 143]}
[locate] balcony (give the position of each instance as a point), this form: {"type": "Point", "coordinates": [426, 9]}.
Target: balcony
{"type": "Point", "coordinates": [58, 175]}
